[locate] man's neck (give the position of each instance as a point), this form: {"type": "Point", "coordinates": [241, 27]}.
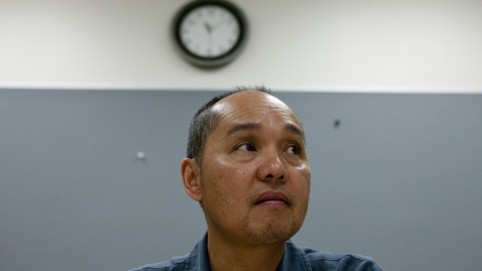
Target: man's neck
{"type": "Point", "coordinates": [236, 257]}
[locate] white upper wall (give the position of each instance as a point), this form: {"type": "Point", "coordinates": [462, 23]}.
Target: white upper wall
{"type": "Point", "coordinates": [322, 45]}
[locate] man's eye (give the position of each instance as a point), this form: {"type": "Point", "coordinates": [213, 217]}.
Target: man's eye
{"type": "Point", "coordinates": [246, 147]}
{"type": "Point", "coordinates": [293, 149]}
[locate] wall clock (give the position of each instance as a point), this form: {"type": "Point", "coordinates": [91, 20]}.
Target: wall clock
{"type": "Point", "coordinates": [210, 33]}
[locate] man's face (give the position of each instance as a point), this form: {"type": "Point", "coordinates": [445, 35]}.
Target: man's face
{"type": "Point", "coordinates": [255, 176]}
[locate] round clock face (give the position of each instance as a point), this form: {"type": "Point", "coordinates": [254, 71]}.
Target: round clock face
{"type": "Point", "coordinates": [210, 33]}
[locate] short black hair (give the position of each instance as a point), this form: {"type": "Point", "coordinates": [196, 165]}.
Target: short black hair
{"type": "Point", "coordinates": [205, 120]}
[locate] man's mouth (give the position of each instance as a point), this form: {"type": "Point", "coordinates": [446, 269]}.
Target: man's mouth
{"type": "Point", "coordinates": [272, 197]}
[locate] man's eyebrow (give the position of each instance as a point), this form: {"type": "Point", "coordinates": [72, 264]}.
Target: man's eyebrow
{"type": "Point", "coordinates": [249, 126]}
{"type": "Point", "coordinates": [295, 129]}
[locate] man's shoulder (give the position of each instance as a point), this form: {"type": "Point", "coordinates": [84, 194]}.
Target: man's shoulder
{"type": "Point", "coordinates": [296, 258]}
{"type": "Point", "coordinates": [174, 264]}
{"type": "Point", "coordinates": [321, 260]}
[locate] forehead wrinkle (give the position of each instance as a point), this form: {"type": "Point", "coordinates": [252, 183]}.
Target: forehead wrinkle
{"type": "Point", "coordinates": [247, 126]}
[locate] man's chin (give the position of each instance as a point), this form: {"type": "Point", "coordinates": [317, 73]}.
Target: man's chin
{"type": "Point", "coordinates": [272, 233]}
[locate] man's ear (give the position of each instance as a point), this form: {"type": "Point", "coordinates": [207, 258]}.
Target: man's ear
{"type": "Point", "coordinates": [191, 178]}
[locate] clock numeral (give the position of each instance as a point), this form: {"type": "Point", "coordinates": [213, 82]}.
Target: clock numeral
{"type": "Point", "coordinates": [223, 49]}
{"type": "Point", "coordinates": [211, 11]}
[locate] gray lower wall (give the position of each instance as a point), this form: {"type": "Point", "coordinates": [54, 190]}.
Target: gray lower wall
{"type": "Point", "coordinates": [399, 179]}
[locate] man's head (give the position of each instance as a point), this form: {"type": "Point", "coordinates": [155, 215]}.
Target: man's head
{"type": "Point", "coordinates": [249, 168]}
{"type": "Point", "coordinates": [204, 121]}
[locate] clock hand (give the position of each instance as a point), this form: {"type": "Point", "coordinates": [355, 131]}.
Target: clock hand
{"type": "Point", "coordinates": [208, 27]}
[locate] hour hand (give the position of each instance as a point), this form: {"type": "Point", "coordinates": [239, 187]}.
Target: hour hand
{"type": "Point", "coordinates": [209, 29]}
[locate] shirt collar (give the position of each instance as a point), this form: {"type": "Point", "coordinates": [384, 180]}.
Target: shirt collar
{"type": "Point", "coordinates": [294, 259]}
{"type": "Point", "coordinates": [198, 259]}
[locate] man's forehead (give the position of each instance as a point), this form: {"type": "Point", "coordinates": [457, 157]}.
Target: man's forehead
{"type": "Point", "coordinates": [252, 107]}
{"type": "Point", "coordinates": [248, 100]}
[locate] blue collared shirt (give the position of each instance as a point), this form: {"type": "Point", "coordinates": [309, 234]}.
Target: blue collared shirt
{"type": "Point", "coordinates": [295, 258]}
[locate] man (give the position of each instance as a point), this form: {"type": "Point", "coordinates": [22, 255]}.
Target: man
{"type": "Point", "coordinates": [247, 167]}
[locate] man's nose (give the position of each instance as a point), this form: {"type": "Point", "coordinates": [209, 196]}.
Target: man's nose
{"type": "Point", "coordinates": [271, 167]}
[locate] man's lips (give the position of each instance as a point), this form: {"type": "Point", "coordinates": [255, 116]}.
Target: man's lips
{"type": "Point", "coordinates": [272, 197]}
